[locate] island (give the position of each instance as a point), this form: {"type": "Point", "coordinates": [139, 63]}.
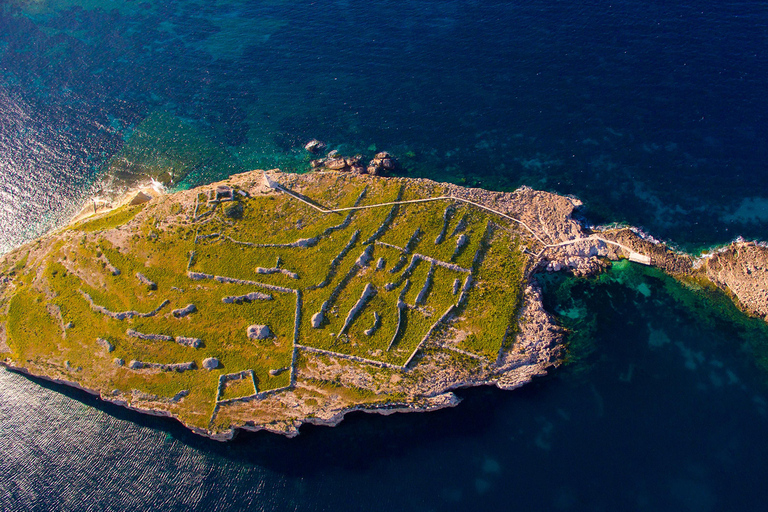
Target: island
{"type": "Point", "coordinates": [270, 300]}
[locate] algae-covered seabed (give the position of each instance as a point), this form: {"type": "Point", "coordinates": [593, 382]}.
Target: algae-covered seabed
{"type": "Point", "coordinates": [64, 294]}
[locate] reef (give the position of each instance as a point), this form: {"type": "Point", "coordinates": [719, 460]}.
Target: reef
{"type": "Point", "coordinates": [328, 292]}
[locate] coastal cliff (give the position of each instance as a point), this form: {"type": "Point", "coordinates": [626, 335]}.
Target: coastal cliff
{"type": "Point", "coordinates": [271, 300]}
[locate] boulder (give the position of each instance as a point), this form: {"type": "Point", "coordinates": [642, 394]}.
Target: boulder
{"type": "Point", "coordinates": [336, 164]}
{"type": "Point", "coordinates": [259, 332]}
{"type": "Point", "coordinates": [314, 146]}
{"type": "Point", "coordinates": [210, 363]}
{"type": "Point", "coordinates": [317, 319]}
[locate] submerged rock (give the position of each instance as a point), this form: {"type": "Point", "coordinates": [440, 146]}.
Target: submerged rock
{"type": "Point", "coordinates": [314, 146]}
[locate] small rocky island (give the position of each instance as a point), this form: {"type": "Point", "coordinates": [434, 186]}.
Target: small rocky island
{"type": "Point", "coordinates": [271, 300]}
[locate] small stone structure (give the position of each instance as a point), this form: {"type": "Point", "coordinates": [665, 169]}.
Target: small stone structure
{"type": "Point", "coordinates": [211, 363]}
{"type": "Point", "coordinates": [376, 324]}
{"type": "Point", "coordinates": [188, 310]}
{"type": "Point", "coordinates": [317, 319]}
{"type": "Point", "coordinates": [277, 270]}
{"type": "Point", "coordinates": [175, 367]}
{"type": "Point", "coordinates": [189, 342]}
{"type": "Point", "coordinates": [220, 194]}
{"type": "Point", "coordinates": [248, 297]}
{"type": "Point", "coordinates": [105, 344]}
{"type": "Point", "coordinates": [259, 332]}
{"type": "Point", "coordinates": [144, 279]}
{"type": "Point", "coordinates": [422, 297]}
{"type": "Point", "coordinates": [181, 340]}
{"type": "Point", "coordinates": [365, 258]}
{"type": "Point", "coordinates": [446, 219]}
{"type": "Point", "coordinates": [122, 315]}
{"type": "Point", "coordinates": [461, 242]}
{"type": "Point", "coordinates": [368, 293]}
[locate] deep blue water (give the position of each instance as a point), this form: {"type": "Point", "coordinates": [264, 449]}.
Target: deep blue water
{"type": "Point", "coordinates": [654, 113]}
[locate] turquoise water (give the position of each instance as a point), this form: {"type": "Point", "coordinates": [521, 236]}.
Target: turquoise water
{"type": "Point", "coordinates": [653, 113]}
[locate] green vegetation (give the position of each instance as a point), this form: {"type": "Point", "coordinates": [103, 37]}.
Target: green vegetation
{"type": "Point", "coordinates": [52, 325]}
{"type": "Point", "coordinates": [110, 220]}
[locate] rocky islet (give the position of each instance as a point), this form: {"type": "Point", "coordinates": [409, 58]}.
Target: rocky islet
{"type": "Point", "coordinates": [317, 367]}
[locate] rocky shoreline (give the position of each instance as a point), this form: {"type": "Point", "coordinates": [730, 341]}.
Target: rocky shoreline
{"type": "Point", "coordinates": [554, 241]}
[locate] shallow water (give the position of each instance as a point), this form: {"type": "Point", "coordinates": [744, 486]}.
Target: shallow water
{"type": "Point", "coordinates": [653, 113]}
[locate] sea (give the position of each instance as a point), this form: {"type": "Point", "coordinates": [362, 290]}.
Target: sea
{"type": "Point", "coordinates": [654, 113]}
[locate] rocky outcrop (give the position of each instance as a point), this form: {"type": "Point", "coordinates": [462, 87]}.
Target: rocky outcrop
{"type": "Point", "coordinates": [742, 269]}
{"type": "Point", "coordinates": [382, 164]}
{"type": "Point", "coordinates": [334, 161]}
{"type": "Point", "coordinates": [447, 214]}
{"type": "Point", "coordinates": [422, 297]}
